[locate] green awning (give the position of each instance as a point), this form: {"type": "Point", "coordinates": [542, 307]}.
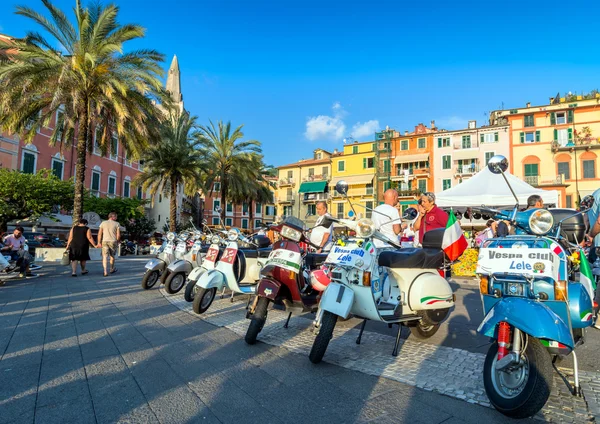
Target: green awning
{"type": "Point", "coordinates": [408, 202]}
{"type": "Point", "coordinates": [313, 187]}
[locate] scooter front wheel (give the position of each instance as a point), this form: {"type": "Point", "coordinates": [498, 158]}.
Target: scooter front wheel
{"type": "Point", "coordinates": [521, 390]}
{"type": "Point", "coordinates": [174, 282]}
{"type": "Point", "coordinates": [149, 280]}
{"type": "Point", "coordinates": [190, 291]}
{"type": "Point", "coordinates": [257, 320]}
{"type": "Point", "coordinates": [325, 334]}
{"type": "Point", "coordinates": [203, 299]}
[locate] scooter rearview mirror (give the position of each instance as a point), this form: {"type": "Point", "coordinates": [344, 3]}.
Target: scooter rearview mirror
{"type": "Point", "coordinates": [410, 214]}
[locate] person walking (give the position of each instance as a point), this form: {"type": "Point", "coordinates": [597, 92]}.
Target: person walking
{"type": "Point", "coordinates": [109, 235]}
{"type": "Point", "coordinates": [430, 216]}
{"type": "Point", "coordinates": [78, 246]}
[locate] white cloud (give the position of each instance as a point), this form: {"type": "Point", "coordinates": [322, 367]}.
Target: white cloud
{"type": "Point", "coordinates": [365, 129]}
{"type": "Point", "coordinates": [324, 127]}
{"type": "Point", "coordinates": [451, 123]}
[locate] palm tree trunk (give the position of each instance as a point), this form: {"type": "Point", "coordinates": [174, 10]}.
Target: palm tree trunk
{"type": "Point", "coordinates": [82, 138]}
{"type": "Point", "coordinates": [251, 227]}
{"type": "Point", "coordinates": [173, 206]}
{"type": "Point", "coordinates": [224, 189]}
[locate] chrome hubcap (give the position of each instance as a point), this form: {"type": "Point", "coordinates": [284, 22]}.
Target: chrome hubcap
{"type": "Point", "coordinates": [509, 383]}
{"type": "Point", "coordinates": [177, 282]}
{"type": "Point", "coordinates": [207, 299]}
{"type": "Point", "coordinates": [153, 278]}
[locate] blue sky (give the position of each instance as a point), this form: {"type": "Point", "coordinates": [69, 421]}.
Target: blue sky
{"type": "Point", "coordinates": [302, 74]}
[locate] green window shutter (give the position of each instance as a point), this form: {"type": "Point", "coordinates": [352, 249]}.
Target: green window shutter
{"type": "Point", "coordinates": [495, 136]}
{"type": "Point", "coordinates": [57, 168]}
{"type": "Point", "coordinates": [570, 132]}
{"type": "Point", "coordinates": [537, 136]}
{"type": "Point", "coordinates": [440, 142]}
{"type": "Point", "coordinates": [28, 163]}
{"type": "Point", "coordinates": [570, 116]}
{"type": "Point", "coordinates": [555, 135]}
{"type": "Point", "coordinates": [481, 138]}
{"type": "Point", "coordinates": [553, 118]}
{"type": "Point", "coordinates": [364, 163]}
{"type": "Point", "coordinates": [522, 137]}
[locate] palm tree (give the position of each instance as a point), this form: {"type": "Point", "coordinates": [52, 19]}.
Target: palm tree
{"type": "Point", "coordinates": [87, 83]}
{"type": "Point", "coordinates": [173, 161]}
{"type": "Point", "coordinates": [232, 162]}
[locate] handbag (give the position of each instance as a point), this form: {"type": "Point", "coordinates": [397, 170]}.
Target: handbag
{"type": "Point", "coordinates": [65, 258]}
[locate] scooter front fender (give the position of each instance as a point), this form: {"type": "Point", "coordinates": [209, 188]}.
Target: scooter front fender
{"type": "Point", "coordinates": [196, 274]}
{"type": "Point", "coordinates": [529, 316]}
{"type": "Point", "coordinates": [269, 288]}
{"type": "Point", "coordinates": [211, 279]}
{"type": "Point", "coordinates": [155, 265]}
{"type": "Point", "coordinates": [337, 299]}
{"type": "Point", "coordinates": [180, 265]}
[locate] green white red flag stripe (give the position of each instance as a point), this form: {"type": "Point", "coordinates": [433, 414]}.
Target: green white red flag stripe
{"type": "Point", "coordinates": [586, 277]}
{"type": "Point", "coordinates": [454, 242]}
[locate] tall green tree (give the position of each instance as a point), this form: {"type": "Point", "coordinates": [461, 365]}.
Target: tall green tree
{"type": "Point", "coordinates": [173, 161]}
{"type": "Point", "coordinates": [232, 162]}
{"type": "Point", "coordinates": [83, 78]}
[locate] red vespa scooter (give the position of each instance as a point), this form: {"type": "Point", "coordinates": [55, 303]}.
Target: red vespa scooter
{"type": "Point", "coordinates": [285, 279]}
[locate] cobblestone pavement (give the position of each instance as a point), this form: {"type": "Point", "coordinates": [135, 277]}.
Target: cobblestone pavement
{"type": "Point", "coordinates": [449, 371]}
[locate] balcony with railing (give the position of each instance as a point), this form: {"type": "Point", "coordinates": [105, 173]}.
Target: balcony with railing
{"type": "Point", "coordinates": [355, 192]}
{"type": "Point", "coordinates": [412, 173]}
{"type": "Point", "coordinates": [467, 169]}
{"type": "Point", "coordinates": [283, 182]}
{"type": "Point", "coordinates": [409, 193]}
{"type": "Point", "coordinates": [464, 145]}
{"type": "Point", "coordinates": [319, 177]}
{"type": "Point", "coordinates": [289, 198]}
{"type": "Point", "coordinates": [558, 146]}
{"type": "Point", "coordinates": [539, 181]}
{"type": "Point", "coordinates": [315, 197]}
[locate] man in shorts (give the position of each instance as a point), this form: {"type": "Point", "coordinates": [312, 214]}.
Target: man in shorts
{"type": "Point", "coordinates": [108, 239]}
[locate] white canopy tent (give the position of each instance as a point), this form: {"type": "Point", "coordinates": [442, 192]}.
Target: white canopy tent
{"type": "Point", "coordinates": [489, 189]}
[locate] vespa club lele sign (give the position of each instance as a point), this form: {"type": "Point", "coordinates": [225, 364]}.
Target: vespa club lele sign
{"type": "Point", "coordinates": [531, 262]}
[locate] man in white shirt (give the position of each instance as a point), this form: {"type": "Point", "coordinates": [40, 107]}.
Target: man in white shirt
{"type": "Point", "coordinates": [383, 214]}
{"type": "Point", "coordinates": [321, 235]}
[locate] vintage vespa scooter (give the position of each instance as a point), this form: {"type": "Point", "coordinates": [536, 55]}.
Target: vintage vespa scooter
{"type": "Point", "coordinates": [402, 286]}
{"type": "Point", "coordinates": [535, 304]}
{"type": "Point", "coordinates": [190, 258]}
{"type": "Point", "coordinates": [155, 267]}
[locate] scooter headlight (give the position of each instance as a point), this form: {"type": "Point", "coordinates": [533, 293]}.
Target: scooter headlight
{"type": "Point", "coordinates": [215, 239]}
{"type": "Point", "coordinates": [291, 233]}
{"type": "Point", "coordinates": [541, 221]}
{"type": "Point", "coordinates": [233, 234]}
{"type": "Point", "coordinates": [170, 236]}
{"type": "Point", "coordinates": [365, 228]}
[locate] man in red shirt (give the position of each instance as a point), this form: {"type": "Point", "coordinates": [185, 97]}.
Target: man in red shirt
{"type": "Point", "coordinates": [430, 216]}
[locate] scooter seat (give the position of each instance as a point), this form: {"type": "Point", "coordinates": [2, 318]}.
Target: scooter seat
{"type": "Point", "coordinates": [257, 253]}
{"type": "Point", "coordinates": [412, 258]}
{"type": "Point", "coordinates": [314, 260]}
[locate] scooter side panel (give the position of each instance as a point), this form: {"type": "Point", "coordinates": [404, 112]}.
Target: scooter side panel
{"type": "Point", "coordinates": [180, 266]}
{"type": "Point", "coordinates": [531, 317]}
{"type": "Point", "coordinates": [430, 291]}
{"type": "Point", "coordinates": [155, 265]}
{"type": "Point", "coordinates": [337, 299]}
{"type": "Point", "coordinates": [196, 274]}
{"type": "Point", "coordinates": [211, 279]}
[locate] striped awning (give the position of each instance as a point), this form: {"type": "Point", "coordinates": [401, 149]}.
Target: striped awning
{"type": "Point", "coordinates": [421, 157]}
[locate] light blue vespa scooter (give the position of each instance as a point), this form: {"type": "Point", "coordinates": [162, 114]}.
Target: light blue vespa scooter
{"type": "Point", "coordinates": [536, 307]}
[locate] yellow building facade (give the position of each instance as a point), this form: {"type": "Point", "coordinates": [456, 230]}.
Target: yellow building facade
{"type": "Point", "coordinates": [357, 167]}
{"type": "Point", "coordinates": [556, 146]}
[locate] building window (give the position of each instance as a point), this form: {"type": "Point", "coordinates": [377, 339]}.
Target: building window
{"type": "Point", "coordinates": [257, 223]}
{"type": "Point", "coordinates": [569, 200]}
{"type": "Point", "coordinates": [404, 145]}
{"type": "Point", "coordinates": [324, 172]}
{"type": "Point", "coordinates": [340, 211]}
{"type": "Point", "coordinates": [530, 137]}
{"type": "Point", "coordinates": [216, 204]}
{"type": "Point", "coordinates": [311, 172]}
{"type": "Point", "coordinates": [354, 150]}
{"type": "Point", "coordinates": [290, 175]}
{"type": "Point", "coordinates": [589, 169]}
{"type": "Point", "coordinates": [370, 189]}
{"type": "Point", "coordinates": [446, 162]}
{"type": "Point", "coordinates": [368, 210]}
{"type": "Point", "coordinates": [287, 211]}
{"type": "Point", "coordinates": [319, 155]}
{"type": "Point", "coordinates": [126, 187]}
{"type": "Point", "coordinates": [531, 173]}
{"type": "Point", "coordinates": [215, 220]}
{"type": "Point", "coordinates": [229, 207]}
{"type": "Point", "coordinates": [29, 162]}
{"type": "Point", "coordinates": [529, 122]}
{"type": "Point", "coordinates": [561, 118]}
{"type": "Point", "coordinates": [58, 168]}
{"type": "Point", "coordinates": [245, 223]}
{"type": "Point", "coordinates": [368, 163]}
{"type": "Point", "coordinates": [466, 141]}
{"type": "Point", "coordinates": [446, 184]}
{"type": "Point", "coordinates": [387, 185]}
{"type": "Point", "coordinates": [95, 186]}
{"type": "Point", "coordinates": [269, 210]}
{"type": "Point", "coordinates": [139, 193]}
{"type": "Point", "coordinates": [258, 208]}
{"type": "Point", "coordinates": [489, 137]}
{"type": "Point", "coordinates": [97, 138]}
{"type": "Point", "coordinates": [444, 142]}
{"type": "Point", "coordinates": [312, 209]}
{"type": "Point", "coordinates": [112, 182]}
{"type": "Point", "coordinates": [564, 169]}
{"type": "Point", "coordinates": [386, 166]}
{"type": "Point", "coordinates": [422, 186]}
{"type": "Point", "coordinates": [422, 143]}
{"type": "Point", "coordinates": [217, 187]}
{"type": "Point", "coordinates": [245, 208]}
{"type": "Point", "coordinates": [341, 165]}
{"type": "Point", "coordinates": [228, 222]}
{"type": "Point", "coordinates": [562, 136]}
{"type": "Point", "coordinates": [59, 124]}
{"type": "Point", "coordinates": [488, 156]}
{"type": "Point", "coordinates": [114, 148]}
{"type": "Point", "coordinates": [126, 158]}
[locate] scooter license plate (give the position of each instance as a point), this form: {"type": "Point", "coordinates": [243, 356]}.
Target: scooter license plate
{"type": "Point", "coordinates": [181, 247]}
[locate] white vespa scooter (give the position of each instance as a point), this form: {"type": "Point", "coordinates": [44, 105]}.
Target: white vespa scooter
{"type": "Point", "coordinates": [400, 286]}
{"type": "Point", "coordinates": [213, 255]}
{"type": "Point", "coordinates": [229, 272]}
{"type": "Point", "coordinates": [156, 267]}
{"type": "Point", "coordinates": [188, 259]}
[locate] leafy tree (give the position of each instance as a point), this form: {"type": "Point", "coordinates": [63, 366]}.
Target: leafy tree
{"type": "Point", "coordinates": [82, 77]}
{"type": "Point", "coordinates": [181, 226]}
{"type": "Point", "coordinates": [125, 208]}
{"type": "Point", "coordinates": [232, 162]}
{"type": "Point", "coordinates": [139, 227]}
{"type": "Point", "coordinates": [31, 195]}
{"type": "Point", "coordinates": [173, 161]}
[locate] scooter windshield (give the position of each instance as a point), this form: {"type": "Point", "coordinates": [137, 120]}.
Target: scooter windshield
{"type": "Point", "coordinates": [294, 222]}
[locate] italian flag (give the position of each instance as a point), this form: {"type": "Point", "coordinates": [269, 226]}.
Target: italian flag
{"type": "Point", "coordinates": [454, 242]}
{"type": "Point", "coordinates": [586, 277]}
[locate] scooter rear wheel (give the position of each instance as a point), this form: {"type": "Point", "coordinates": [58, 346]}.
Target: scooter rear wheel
{"type": "Point", "coordinates": [422, 330]}
{"type": "Point", "coordinates": [203, 299]}
{"type": "Point", "coordinates": [323, 337]}
{"type": "Point", "coordinates": [174, 282]}
{"type": "Point", "coordinates": [257, 320]}
{"type": "Point", "coordinates": [149, 280]}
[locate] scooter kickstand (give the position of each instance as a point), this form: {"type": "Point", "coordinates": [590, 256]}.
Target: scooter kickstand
{"type": "Point", "coordinates": [231, 298]}
{"type": "Point", "coordinates": [362, 328]}
{"type": "Point", "coordinates": [577, 388]}
{"type": "Point", "coordinates": [223, 293]}
{"type": "Point", "coordinates": [395, 352]}
{"type": "Point", "coordinates": [287, 321]}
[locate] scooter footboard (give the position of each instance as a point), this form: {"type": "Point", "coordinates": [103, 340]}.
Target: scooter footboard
{"type": "Point", "coordinates": [337, 299]}
{"type": "Point", "coordinates": [211, 279]}
{"type": "Point", "coordinates": [533, 318]}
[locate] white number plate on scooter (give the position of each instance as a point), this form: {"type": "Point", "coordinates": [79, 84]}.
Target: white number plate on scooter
{"type": "Point", "coordinates": [181, 247]}
{"type": "Point", "coordinates": [531, 262]}
{"type": "Point", "coordinates": [285, 259]}
{"type": "Point", "coordinates": [350, 255]}
{"type": "Point", "coordinates": [212, 254]}
{"type": "Point", "coordinates": [197, 246]}
{"type": "Point", "coordinates": [169, 248]}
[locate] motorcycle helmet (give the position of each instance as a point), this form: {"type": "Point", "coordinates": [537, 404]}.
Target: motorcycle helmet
{"type": "Point", "coordinates": [319, 280]}
{"type": "Point", "coordinates": [587, 202]}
